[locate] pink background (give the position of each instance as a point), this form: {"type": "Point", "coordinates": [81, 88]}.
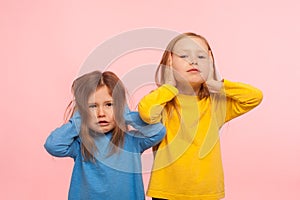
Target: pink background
{"type": "Point", "coordinates": [44, 43]}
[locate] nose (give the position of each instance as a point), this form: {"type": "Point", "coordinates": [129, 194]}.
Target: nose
{"type": "Point", "coordinates": [193, 60]}
{"type": "Point", "coordinates": [100, 112]}
{"type": "Point", "coordinates": [194, 63]}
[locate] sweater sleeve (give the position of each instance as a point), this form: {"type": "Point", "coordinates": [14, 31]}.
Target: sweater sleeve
{"type": "Point", "coordinates": [63, 141]}
{"type": "Point", "coordinates": [147, 135]}
{"type": "Point", "coordinates": [241, 98]}
{"type": "Point", "coordinates": [151, 106]}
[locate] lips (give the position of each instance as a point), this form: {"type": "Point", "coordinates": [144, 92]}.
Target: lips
{"type": "Point", "coordinates": [193, 70]}
{"type": "Point", "coordinates": [103, 123]}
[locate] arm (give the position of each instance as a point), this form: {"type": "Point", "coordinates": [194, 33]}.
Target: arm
{"type": "Point", "coordinates": [150, 134]}
{"type": "Point", "coordinates": [241, 98]}
{"type": "Point", "coordinates": [152, 105]}
{"type": "Point", "coordinates": [62, 141]}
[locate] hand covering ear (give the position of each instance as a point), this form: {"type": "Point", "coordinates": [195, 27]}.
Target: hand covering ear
{"type": "Point", "coordinates": [214, 86]}
{"type": "Point", "coordinates": [169, 73]}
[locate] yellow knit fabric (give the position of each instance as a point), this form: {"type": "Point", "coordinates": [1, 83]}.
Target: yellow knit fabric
{"type": "Point", "coordinates": [179, 173]}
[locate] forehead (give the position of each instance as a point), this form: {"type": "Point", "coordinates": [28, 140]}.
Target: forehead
{"type": "Point", "coordinates": [101, 94]}
{"type": "Point", "coordinates": [191, 44]}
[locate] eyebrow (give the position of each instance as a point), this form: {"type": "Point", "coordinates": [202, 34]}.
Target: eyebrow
{"type": "Point", "coordinates": [110, 100]}
{"type": "Point", "coordinates": [187, 50]}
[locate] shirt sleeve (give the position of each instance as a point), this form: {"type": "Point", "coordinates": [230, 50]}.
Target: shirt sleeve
{"type": "Point", "coordinates": [63, 141]}
{"type": "Point", "coordinates": [151, 106]}
{"type": "Point", "coordinates": [147, 135]}
{"type": "Point", "coordinates": [241, 98]}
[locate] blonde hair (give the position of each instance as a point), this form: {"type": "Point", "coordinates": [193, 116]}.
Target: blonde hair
{"type": "Point", "coordinates": [82, 88]}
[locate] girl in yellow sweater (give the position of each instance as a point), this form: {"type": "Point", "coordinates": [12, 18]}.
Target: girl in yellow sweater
{"type": "Point", "coordinates": [193, 103]}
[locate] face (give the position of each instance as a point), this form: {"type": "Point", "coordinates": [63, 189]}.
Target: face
{"type": "Point", "coordinates": [190, 61]}
{"type": "Point", "coordinates": [101, 111]}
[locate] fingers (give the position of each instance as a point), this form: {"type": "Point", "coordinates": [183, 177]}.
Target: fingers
{"type": "Point", "coordinates": [169, 61]}
{"type": "Point", "coordinates": [214, 86]}
{"type": "Point", "coordinates": [169, 76]}
{"type": "Point", "coordinates": [211, 67]}
{"type": "Point", "coordinates": [168, 72]}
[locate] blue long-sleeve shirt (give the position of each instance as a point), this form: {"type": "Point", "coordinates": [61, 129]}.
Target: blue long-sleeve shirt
{"type": "Point", "coordinates": [113, 177]}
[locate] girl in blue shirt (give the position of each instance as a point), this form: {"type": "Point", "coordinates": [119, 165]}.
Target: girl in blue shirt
{"type": "Point", "coordinates": [107, 155]}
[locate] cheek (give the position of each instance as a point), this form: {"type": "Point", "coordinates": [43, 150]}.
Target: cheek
{"type": "Point", "coordinates": [91, 126]}
{"type": "Point", "coordinates": [178, 63]}
{"type": "Point", "coordinates": [111, 116]}
{"type": "Point", "coordinates": [204, 68]}
{"type": "Point", "coordinates": [206, 73]}
{"type": "Point", "coordinates": [114, 124]}
{"type": "Point", "coordinates": [92, 118]}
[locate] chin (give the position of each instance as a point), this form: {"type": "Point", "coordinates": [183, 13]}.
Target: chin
{"type": "Point", "coordinates": [202, 81]}
{"type": "Point", "coordinates": [98, 130]}
{"type": "Point", "coordinates": [104, 131]}
{"type": "Point", "coordinates": [197, 82]}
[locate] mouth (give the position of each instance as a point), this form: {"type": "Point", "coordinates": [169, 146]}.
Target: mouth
{"type": "Point", "coordinates": [103, 123]}
{"type": "Point", "coordinates": [193, 70]}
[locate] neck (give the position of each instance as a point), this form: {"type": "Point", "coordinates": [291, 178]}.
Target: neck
{"type": "Point", "coordinates": [188, 89]}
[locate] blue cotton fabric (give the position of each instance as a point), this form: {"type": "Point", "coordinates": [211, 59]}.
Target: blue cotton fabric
{"type": "Point", "coordinates": [114, 177]}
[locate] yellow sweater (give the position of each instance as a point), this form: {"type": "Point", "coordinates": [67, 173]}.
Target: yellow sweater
{"type": "Point", "coordinates": [179, 172]}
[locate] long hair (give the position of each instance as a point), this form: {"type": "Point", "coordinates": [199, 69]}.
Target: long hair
{"type": "Point", "coordinates": [82, 88]}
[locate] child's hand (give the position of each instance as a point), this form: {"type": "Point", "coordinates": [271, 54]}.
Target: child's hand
{"type": "Point", "coordinates": [133, 119]}
{"type": "Point", "coordinates": [214, 86]}
{"type": "Point", "coordinates": [76, 119]}
{"type": "Point", "coordinates": [169, 76]}
{"type": "Point", "coordinates": [169, 73]}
